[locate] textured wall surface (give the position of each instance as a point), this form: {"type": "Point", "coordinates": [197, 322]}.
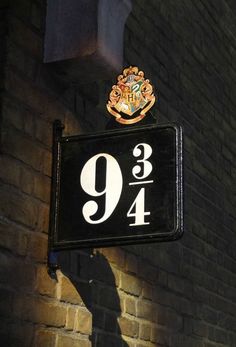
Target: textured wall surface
{"type": "Point", "coordinates": [180, 294]}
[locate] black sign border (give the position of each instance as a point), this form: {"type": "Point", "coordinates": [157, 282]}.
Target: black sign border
{"type": "Point", "coordinates": [55, 245]}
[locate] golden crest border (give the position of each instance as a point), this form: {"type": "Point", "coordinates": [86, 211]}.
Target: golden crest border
{"type": "Point", "coordinates": [143, 100]}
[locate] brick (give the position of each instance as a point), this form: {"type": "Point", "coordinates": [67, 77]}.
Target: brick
{"type": "Point", "coordinates": [147, 291]}
{"type": "Point", "coordinates": [13, 111]}
{"type": "Point", "coordinates": [163, 297]}
{"type": "Point", "coordinates": [70, 318]}
{"type": "Point", "coordinates": [104, 339]}
{"type": "Point", "coordinates": [130, 306]}
{"type": "Point", "coordinates": [65, 341]}
{"type": "Point", "coordinates": [66, 291]}
{"type": "Point", "coordinates": [99, 269]}
{"type": "Point", "coordinates": [14, 239]}
{"type": "Point", "coordinates": [220, 336]}
{"type": "Point", "coordinates": [98, 317]}
{"type": "Point", "coordinates": [19, 334]}
{"type": "Point", "coordinates": [26, 37]}
{"type": "Point", "coordinates": [39, 310]}
{"type": "Point", "coordinates": [24, 282]}
{"type": "Point", "coordinates": [6, 302]}
{"type": "Point", "coordinates": [129, 343]}
{"type": "Point", "coordinates": [177, 340]}
{"type": "Point", "coordinates": [11, 272]}
{"type": "Point", "coordinates": [43, 132]}
{"type": "Point", "coordinates": [160, 336]}
{"type": "Point", "coordinates": [43, 218]}
{"type": "Point", "coordinates": [162, 278]}
{"type": "Point", "coordinates": [10, 171]}
{"type": "Point", "coordinates": [131, 284]}
{"type": "Point", "coordinates": [21, 9]}
{"type": "Point", "coordinates": [21, 61]}
{"type": "Point", "coordinates": [175, 283]}
{"type": "Point", "coordinates": [47, 163]}
{"type": "Point", "coordinates": [114, 255]}
{"type": "Point", "coordinates": [18, 207]}
{"type": "Point", "coordinates": [188, 307]}
{"type": "Point", "coordinates": [145, 332]}
{"type": "Point", "coordinates": [117, 275]}
{"type": "Point", "coordinates": [111, 324]}
{"type": "Point", "coordinates": [12, 115]}
{"type": "Point", "coordinates": [36, 16]}
{"type": "Point", "coordinates": [145, 310]}
{"type": "Point", "coordinates": [45, 338]}
{"type": "Point", "coordinates": [170, 318]}
{"type": "Point", "coordinates": [83, 322]}
{"type": "Point", "coordinates": [128, 327]}
{"type": "Point", "coordinates": [38, 246]}
{"type": "Point", "coordinates": [32, 97]}
{"type": "Point", "coordinates": [109, 298]}
{"type": "Point", "coordinates": [131, 263]}
{"type": "Point", "coordinates": [42, 187]}
{"type": "Point", "coordinates": [122, 300]}
{"type": "Point", "coordinates": [44, 284]}
{"type": "Point", "coordinates": [23, 148]}
{"type": "Point", "coordinates": [200, 328]}
{"type": "Point", "coordinates": [29, 123]}
{"type": "Point", "coordinates": [71, 123]}
{"type": "Point", "coordinates": [26, 180]}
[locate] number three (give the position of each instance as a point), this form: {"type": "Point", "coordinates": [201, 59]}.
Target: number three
{"type": "Point", "coordinates": [146, 165]}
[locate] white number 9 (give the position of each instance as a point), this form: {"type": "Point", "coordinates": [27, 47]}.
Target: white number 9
{"type": "Point", "coordinates": [112, 190]}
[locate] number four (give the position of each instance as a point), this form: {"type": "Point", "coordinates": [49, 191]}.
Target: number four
{"type": "Point", "coordinates": [139, 206]}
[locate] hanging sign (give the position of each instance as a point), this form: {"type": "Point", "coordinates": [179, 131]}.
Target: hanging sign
{"type": "Point", "coordinates": [118, 187]}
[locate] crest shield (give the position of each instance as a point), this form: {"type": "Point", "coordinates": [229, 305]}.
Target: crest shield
{"type": "Point", "coordinates": [131, 94]}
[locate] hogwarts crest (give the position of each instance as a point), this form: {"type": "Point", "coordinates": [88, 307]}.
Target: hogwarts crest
{"type": "Point", "coordinates": [131, 94]}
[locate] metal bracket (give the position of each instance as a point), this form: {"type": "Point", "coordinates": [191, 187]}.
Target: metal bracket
{"type": "Point", "coordinates": [52, 263]}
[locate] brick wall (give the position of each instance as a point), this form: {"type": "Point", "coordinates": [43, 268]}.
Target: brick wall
{"type": "Point", "coordinates": [180, 294]}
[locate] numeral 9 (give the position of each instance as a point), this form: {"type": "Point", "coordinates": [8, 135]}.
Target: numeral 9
{"type": "Point", "coordinates": [112, 190]}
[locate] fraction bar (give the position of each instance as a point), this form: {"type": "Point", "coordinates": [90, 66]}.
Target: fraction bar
{"type": "Point", "coordinates": [140, 182]}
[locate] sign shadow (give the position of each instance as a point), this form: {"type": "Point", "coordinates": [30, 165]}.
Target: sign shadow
{"type": "Point", "coordinates": [96, 283]}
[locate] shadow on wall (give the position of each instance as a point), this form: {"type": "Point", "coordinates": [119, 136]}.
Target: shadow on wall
{"type": "Point", "coordinates": [93, 278]}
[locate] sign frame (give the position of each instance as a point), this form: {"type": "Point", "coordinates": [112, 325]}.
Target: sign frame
{"type": "Point", "coordinates": [58, 139]}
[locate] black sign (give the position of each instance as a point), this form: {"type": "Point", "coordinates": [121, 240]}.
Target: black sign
{"type": "Point", "coordinates": [118, 187]}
